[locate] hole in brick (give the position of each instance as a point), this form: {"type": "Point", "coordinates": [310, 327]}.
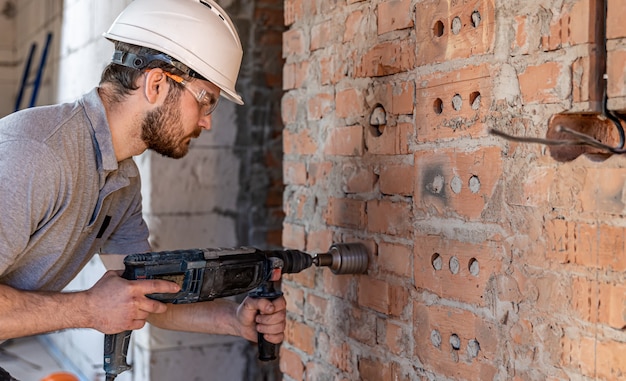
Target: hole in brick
{"type": "Point", "coordinates": [455, 342]}
{"type": "Point", "coordinates": [378, 120]}
{"type": "Point", "coordinates": [476, 19]}
{"type": "Point", "coordinates": [436, 185]}
{"type": "Point", "coordinates": [475, 100]}
{"type": "Point", "coordinates": [438, 28]}
{"type": "Point", "coordinates": [454, 265]}
{"type": "Point", "coordinates": [456, 184]}
{"type": "Point", "coordinates": [435, 338]}
{"type": "Point", "coordinates": [438, 106]}
{"type": "Point", "coordinates": [474, 184]}
{"type": "Point", "coordinates": [456, 25]}
{"type": "Point", "coordinates": [436, 261]}
{"type": "Point", "coordinates": [474, 267]}
{"type": "Point", "coordinates": [457, 102]}
{"type": "Point", "coordinates": [473, 347]}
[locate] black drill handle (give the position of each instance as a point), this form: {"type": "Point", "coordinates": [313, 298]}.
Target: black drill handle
{"type": "Point", "coordinates": [267, 350]}
{"type": "Point", "coordinates": [115, 354]}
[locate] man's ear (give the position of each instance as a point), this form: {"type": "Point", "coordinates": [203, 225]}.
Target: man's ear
{"type": "Point", "coordinates": [155, 85]}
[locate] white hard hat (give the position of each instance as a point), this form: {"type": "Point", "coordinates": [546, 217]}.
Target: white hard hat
{"type": "Point", "coordinates": [197, 33]}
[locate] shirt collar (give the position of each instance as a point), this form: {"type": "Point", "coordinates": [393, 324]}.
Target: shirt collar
{"type": "Point", "coordinates": [94, 109]}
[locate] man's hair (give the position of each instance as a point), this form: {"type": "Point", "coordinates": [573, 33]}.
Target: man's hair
{"type": "Point", "coordinates": [123, 79]}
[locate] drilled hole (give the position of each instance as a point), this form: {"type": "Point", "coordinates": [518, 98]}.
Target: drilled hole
{"type": "Point", "coordinates": [456, 25]}
{"type": "Point", "coordinates": [438, 28]}
{"type": "Point", "coordinates": [438, 106]}
{"type": "Point", "coordinates": [455, 266]}
{"type": "Point", "coordinates": [476, 19]}
{"type": "Point", "coordinates": [455, 342]}
{"type": "Point", "coordinates": [473, 347]}
{"type": "Point", "coordinates": [435, 338]}
{"type": "Point", "coordinates": [474, 184]}
{"type": "Point", "coordinates": [457, 102]}
{"type": "Point", "coordinates": [436, 261]}
{"type": "Point", "coordinates": [475, 100]}
{"type": "Point", "coordinates": [474, 267]}
{"type": "Point", "coordinates": [456, 184]}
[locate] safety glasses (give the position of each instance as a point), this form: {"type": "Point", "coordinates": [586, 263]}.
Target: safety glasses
{"type": "Point", "coordinates": [207, 102]}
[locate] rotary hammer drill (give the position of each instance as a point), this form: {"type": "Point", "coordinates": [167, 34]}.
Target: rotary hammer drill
{"type": "Point", "coordinates": [207, 274]}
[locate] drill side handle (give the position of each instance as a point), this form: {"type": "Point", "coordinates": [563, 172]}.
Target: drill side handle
{"type": "Point", "coordinates": [267, 350]}
{"type": "Point", "coordinates": [115, 354]}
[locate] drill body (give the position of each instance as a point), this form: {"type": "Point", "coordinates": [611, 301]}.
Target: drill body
{"type": "Point", "coordinates": [207, 274]}
{"type": "Point", "coordinates": [203, 275]}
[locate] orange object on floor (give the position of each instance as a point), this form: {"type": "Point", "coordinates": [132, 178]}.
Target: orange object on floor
{"type": "Point", "coordinates": [60, 376]}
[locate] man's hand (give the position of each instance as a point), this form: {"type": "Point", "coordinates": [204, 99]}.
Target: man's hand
{"type": "Point", "coordinates": [262, 316]}
{"type": "Point", "coordinates": [117, 304]}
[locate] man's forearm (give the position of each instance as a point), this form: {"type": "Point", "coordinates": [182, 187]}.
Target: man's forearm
{"type": "Point", "coordinates": [218, 316]}
{"type": "Point", "coordinates": [25, 313]}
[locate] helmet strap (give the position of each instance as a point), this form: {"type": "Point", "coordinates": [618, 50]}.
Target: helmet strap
{"type": "Point", "coordinates": [142, 59]}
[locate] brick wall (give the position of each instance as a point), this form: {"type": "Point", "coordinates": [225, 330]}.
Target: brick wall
{"type": "Point", "coordinates": [489, 259]}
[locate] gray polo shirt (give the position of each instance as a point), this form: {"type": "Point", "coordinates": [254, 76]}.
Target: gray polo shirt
{"type": "Point", "coordinates": [63, 195]}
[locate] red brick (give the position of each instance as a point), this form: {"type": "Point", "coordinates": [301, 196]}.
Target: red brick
{"type": "Point", "coordinates": [295, 299]}
{"type": "Point", "coordinates": [444, 267]}
{"type": "Point", "coordinates": [357, 179]}
{"type": "Point", "coordinates": [595, 358]}
{"type": "Point", "coordinates": [294, 173]}
{"type": "Point", "coordinates": [319, 241]}
{"type": "Point", "coordinates": [397, 179]}
{"type": "Point", "coordinates": [393, 141]}
{"type": "Point", "coordinates": [615, 26]}
{"type": "Point", "coordinates": [332, 69]}
{"type": "Point", "coordinates": [453, 183]}
{"type": "Point", "coordinates": [444, 360]}
{"type": "Point", "coordinates": [363, 326]}
{"type": "Point", "coordinates": [402, 97]}
{"type": "Point", "coordinates": [616, 70]}
{"type": "Point", "coordinates": [354, 25]}
{"type": "Point", "coordinates": [293, 236]}
{"type": "Point", "coordinates": [602, 190]}
{"type": "Point", "coordinates": [388, 217]}
{"type": "Point", "coordinates": [319, 172]}
{"type": "Point", "coordinates": [289, 109]}
{"type": "Point", "coordinates": [303, 278]}
{"type": "Point", "coordinates": [386, 58]}
{"type": "Point", "coordinates": [394, 15]}
{"type": "Point", "coordinates": [298, 142]}
{"type": "Point", "coordinates": [338, 286]}
{"type": "Point", "coordinates": [316, 308]}
{"type": "Point", "coordinates": [454, 104]}
{"type": "Point", "coordinates": [340, 355]}
{"type": "Point", "coordinates": [344, 141]}
{"type": "Point", "coordinates": [469, 41]}
{"type": "Point", "coordinates": [576, 25]}
{"type": "Point", "coordinates": [293, 43]}
{"type": "Point", "coordinates": [599, 302]}
{"type": "Point", "coordinates": [543, 84]}
{"type": "Point", "coordinates": [301, 336]}
{"type": "Point", "coordinates": [396, 259]}
{"type": "Point", "coordinates": [372, 370]}
{"type": "Point", "coordinates": [322, 35]}
{"type": "Point", "coordinates": [345, 213]}
{"type": "Point", "coordinates": [320, 105]}
{"type": "Point", "coordinates": [397, 339]}
{"type": "Point", "coordinates": [374, 294]}
{"type": "Point", "coordinates": [349, 103]}
{"type": "Point", "coordinates": [290, 364]}
{"type": "Point", "coordinates": [295, 74]}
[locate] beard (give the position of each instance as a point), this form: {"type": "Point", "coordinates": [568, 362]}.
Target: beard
{"type": "Point", "coordinates": [162, 129]}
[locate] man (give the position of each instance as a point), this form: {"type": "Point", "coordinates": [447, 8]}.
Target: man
{"type": "Point", "coordinates": [69, 187]}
